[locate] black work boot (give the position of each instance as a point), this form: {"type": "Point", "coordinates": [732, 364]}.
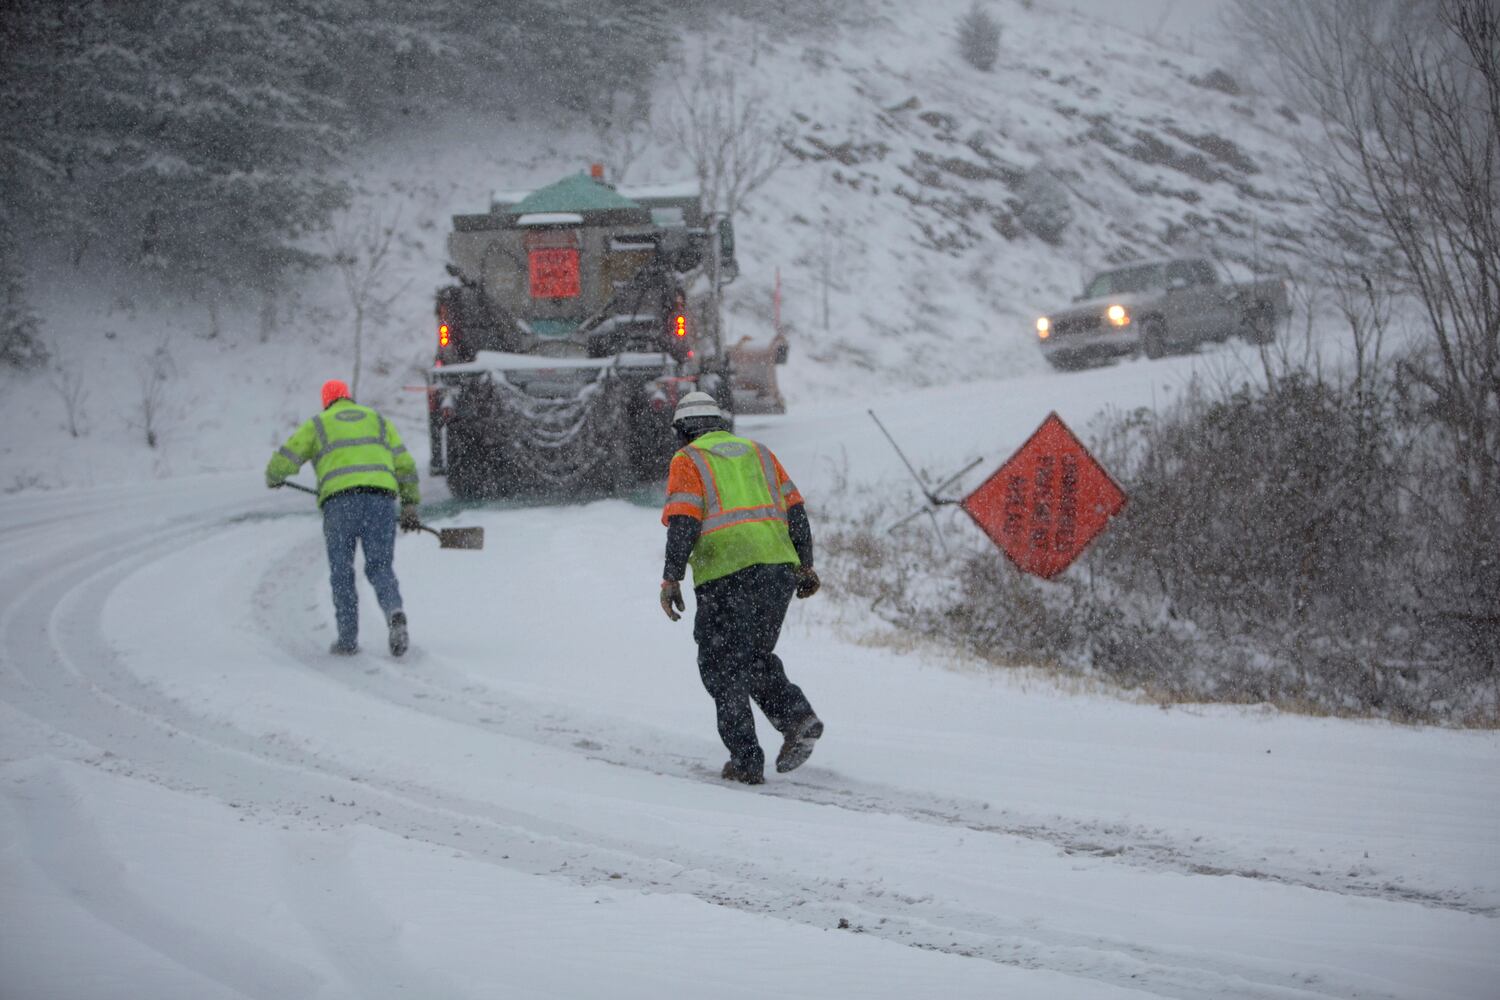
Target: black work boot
{"type": "Point", "coordinates": [398, 633]}
{"type": "Point", "coordinates": [342, 648]}
{"type": "Point", "coordinates": [799, 744]}
{"type": "Point", "coordinates": [739, 772]}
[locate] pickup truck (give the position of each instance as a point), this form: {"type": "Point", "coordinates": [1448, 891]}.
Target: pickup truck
{"type": "Point", "coordinates": [1156, 307]}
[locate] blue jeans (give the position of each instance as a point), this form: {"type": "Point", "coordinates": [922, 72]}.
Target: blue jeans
{"type": "Point", "coordinates": [370, 519]}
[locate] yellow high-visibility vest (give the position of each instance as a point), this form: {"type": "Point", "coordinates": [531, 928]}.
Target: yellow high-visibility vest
{"type": "Point", "coordinates": [744, 512]}
{"type": "Point", "coordinates": [349, 445]}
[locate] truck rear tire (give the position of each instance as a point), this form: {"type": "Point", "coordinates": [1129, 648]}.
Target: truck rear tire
{"type": "Point", "coordinates": [473, 470]}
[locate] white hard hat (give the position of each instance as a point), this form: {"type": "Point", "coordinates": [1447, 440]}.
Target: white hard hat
{"type": "Point", "coordinates": [697, 404]}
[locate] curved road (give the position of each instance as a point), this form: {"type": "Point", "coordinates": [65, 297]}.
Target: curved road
{"type": "Point", "coordinates": [548, 724]}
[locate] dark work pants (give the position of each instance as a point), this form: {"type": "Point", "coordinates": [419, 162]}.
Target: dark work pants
{"type": "Point", "coordinates": [370, 520]}
{"type": "Point", "coordinates": [737, 623]}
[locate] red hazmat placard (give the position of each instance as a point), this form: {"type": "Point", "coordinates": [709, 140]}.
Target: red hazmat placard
{"type": "Point", "coordinates": [1048, 502]}
{"type": "Point", "coordinates": [554, 273]}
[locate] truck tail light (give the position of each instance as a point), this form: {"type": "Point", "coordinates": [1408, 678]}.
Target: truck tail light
{"type": "Point", "coordinates": [444, 335]}
{"type": "Point", "coordinates": [679, 325]}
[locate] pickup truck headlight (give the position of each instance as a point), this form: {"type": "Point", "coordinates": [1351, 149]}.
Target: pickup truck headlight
{"type": "Point", "coordinates": [1043, 327]}
{"type": "Point", "coordinates": [1117, 316]}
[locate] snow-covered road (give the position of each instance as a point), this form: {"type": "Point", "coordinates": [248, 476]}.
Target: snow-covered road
{"type": "Point", "coordinates": [196, 800]}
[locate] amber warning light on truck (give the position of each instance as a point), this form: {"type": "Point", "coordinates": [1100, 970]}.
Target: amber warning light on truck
{"type": "Point", "coordinates": [679, 325]}
{"type": "Point", "coordinates": [443, 336]}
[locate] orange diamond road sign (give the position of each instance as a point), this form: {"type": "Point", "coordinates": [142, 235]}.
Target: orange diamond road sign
{"type": "Point", "coordinates": [1047, 503]}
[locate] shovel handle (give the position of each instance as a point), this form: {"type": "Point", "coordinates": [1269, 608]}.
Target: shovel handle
{"type": "Point", "coordinates": [298, 486]}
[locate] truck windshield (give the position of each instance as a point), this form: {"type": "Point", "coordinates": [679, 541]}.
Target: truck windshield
{"type": "Point", "coordinates": [1127, 279]}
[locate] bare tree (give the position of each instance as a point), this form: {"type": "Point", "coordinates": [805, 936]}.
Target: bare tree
{"type": "Point", "coordinates": [359, 246]}
{"type": "Point", "coordinates": [734, 144]}
{"type": "Point", "coordinates": [621, 125]}
{"type": "Point", "coordinates": [831, 262]}
{"type": "Point", "coordinates": [67, 382]}
{"type": "Point", "coordinates": [1408, 176]}
{"type": "Point", "coordinates": [152, 375]}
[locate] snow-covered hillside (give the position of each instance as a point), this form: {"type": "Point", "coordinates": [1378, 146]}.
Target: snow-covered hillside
{"type": "Point", "coordinates": [904, 181]}
{"type": "Point", "coordinates": [911, 175]}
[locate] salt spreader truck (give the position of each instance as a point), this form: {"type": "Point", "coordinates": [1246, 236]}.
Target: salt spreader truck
{"type": "Point", "coordinates": [579, 315]}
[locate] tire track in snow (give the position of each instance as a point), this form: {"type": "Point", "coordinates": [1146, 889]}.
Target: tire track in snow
{"type": "Point", "coordinates": [865, 906]}
{"type": "Point", "coordinates": [640, 747]}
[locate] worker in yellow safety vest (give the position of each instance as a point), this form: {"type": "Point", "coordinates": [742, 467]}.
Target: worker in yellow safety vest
{"type": "Point", "coordinates": [362, 467]}
{"type": "Point", "coordinates": [735, 517]}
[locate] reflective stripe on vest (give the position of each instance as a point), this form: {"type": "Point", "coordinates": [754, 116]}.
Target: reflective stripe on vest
{"type": "Point", "coordinates": [715, 516]}
{"type": "Point", "coordinates": [744, 513]}
{"type": "Point", "coordinates": [340, 462]}
{"type": "Point", "coordinates": [350, 470]}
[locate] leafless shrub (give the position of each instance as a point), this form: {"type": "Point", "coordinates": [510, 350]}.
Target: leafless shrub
{"type": "Point", "coordinates": [1045, 210]}
{"type": "Point", "coordinates": [152, 375]}
{"type": "Point", "coordinates": [67, 382]}
{"type": "Point", "coordinates": [1409, 183]}
{"type": "Point", "coordinates": [1266, 507]}
{"type": "Point", "coordinates": [939, 579]}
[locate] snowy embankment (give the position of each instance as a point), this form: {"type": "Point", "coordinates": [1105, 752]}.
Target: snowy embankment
{"type": "Point", "coordinates": [198, 801]}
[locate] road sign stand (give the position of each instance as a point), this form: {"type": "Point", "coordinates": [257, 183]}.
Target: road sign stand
{"type": "Point", "coordinates": [1042, 507]}
{"type": "Point", "coordinates": [934, 500]}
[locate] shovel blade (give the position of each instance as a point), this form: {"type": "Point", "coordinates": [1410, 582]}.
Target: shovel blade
{"type": "Point", "coordinates": [461, 538]}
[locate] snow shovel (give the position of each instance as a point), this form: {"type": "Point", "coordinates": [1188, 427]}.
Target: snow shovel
{"type": "Point", "coordinates": [448, 538]}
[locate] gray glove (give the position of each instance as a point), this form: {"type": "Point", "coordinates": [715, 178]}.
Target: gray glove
{"type": "Point", "coordinates": [807, 581]}
{"type": "Point", "coordinates": [410, 519]}
{"type": "Point", "coordinates": [671, 598]}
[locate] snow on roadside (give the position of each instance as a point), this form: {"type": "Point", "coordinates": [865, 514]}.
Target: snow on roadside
{"type": "Point", "coordinates": [178, 898]}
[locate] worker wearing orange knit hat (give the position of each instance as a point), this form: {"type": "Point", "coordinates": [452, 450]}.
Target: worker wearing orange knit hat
{"type": "Point", "coordinates": [362, 468]}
